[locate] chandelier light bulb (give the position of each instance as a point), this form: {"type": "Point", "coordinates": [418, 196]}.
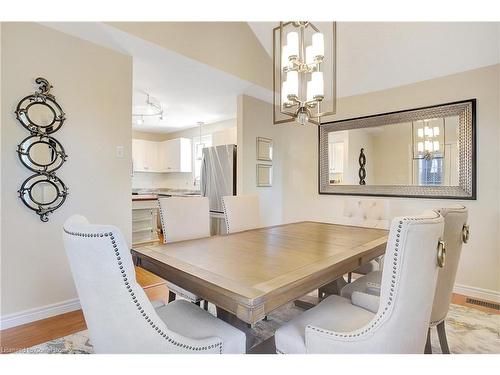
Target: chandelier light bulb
{"type": "Point", "coordinates": [428, 146]}
{"type": "Point", "coordinates": [317, 84]}
{"type": "Point", "coordinates": [318, 44]}
{"type": "Point", "coordinates": [292, 41]}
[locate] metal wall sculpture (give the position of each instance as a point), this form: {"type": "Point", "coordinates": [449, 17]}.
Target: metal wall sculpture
{"type": "Point", "coordinates": [40, 114]}
{"type": "Point", "coordinates": [362, 163]}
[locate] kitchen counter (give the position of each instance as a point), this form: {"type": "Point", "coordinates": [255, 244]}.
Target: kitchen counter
{"type": "Point", "coordinates": [153, 194]}
{"type": "Point", "coordinates": [144, 197]}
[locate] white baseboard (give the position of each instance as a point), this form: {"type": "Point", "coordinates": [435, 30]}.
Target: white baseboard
{"type": "Point", "coordinates": [471, 291]}
{"type": "Point", "coordinates": [31, 315]}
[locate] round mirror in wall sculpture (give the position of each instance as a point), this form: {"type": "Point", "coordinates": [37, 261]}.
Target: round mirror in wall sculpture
{"type": "Point", "coordinates": [43, 193]}
{"type": "Point", "coordinates": [40, 114]}
{"type": "Point", "coordinates": [41, 153]}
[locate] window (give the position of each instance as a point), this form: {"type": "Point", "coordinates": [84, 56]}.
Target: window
{"type": "Point", "coordinates": [206, 141]}
{"type": "Point", "coordinates": [430, 171]}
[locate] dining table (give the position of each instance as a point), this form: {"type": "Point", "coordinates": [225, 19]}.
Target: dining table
{"type": "Point", "coordinates": [249, 274]}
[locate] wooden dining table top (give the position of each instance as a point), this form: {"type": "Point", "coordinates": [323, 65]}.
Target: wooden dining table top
{"type": "Point", "coordinates": [251, 273]}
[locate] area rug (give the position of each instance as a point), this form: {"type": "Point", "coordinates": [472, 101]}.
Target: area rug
{"type": "Point", "coordinates": [469, 331]}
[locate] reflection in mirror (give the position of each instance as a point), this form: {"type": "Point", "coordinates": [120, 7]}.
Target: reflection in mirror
{"type": "Point", "coordinates": [41, 114]}
{"type": "Point", "coordinates": [43, 193]}
{"type": "Point", "coordinates": [42, 153]}
{"type": "Point", "coordinates": [422, 153]}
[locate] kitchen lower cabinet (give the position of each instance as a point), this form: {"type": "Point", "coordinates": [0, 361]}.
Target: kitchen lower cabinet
{"type": "Point", "coordinates": [145, 222]}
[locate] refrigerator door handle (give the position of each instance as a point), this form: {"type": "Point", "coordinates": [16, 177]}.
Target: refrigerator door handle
{"type": "Point", "coordinates": [203, 175]}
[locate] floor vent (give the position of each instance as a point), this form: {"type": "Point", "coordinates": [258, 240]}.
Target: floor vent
{"type": "Point", "coordinates": [490, 305]}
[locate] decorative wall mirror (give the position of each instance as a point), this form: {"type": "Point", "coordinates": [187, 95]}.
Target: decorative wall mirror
{"type": "Point", "coordinates": [41, 115]}
{"type": "Point", "coordinates": [425, 152]}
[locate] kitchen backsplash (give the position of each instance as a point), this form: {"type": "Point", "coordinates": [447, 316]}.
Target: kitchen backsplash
{"type": "Point", "coordinates": [142, 180]}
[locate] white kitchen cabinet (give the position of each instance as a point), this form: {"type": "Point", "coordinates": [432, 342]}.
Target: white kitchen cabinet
{"type": "Point", "coordinates": [145, 156]}
{"type": "Point", "coordinates": [336, 157]}
{"type": "Point", "coordinates": [144, 222]}
{"type": "Point", "coordinates": [173, 155]}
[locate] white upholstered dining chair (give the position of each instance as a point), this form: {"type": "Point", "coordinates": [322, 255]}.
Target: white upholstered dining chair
{"type": "Point", "coordinates": [184, 218]}
{"type": "Point", "coordinates": [119, 316]}
{"type": "Point", "coordinates": [241, 212]}
{"type": "Point", "coordinates": [367, 213]}
{"type": "Point", "coordinates": [456, 232]}
{"type": "Point", "coordinates": [399, 323]}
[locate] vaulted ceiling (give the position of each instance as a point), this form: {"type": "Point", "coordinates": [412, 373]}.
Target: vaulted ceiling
{"type": "Point", "coordinates": [373, 56]}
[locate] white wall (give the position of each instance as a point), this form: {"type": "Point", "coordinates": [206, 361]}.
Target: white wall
{"type": "Point", "coordinates": [253, 121]}
{"type": "Point", "coordinates": [295, 187]}
{"type": "Point", "coordinates": [94, 87]}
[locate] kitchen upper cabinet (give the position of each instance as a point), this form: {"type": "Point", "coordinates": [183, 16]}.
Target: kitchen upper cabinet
{"type": "Point", "coordinates": [145, 156]}
{"type": "Point", "coordinates": [173, 155]}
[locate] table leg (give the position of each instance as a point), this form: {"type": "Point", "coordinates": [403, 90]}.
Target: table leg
{"type": "Point", "coordinates": [238, 323]}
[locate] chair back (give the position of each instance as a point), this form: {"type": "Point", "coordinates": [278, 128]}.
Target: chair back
{"type": "Point", "coordinates": [455, 221]}
{"type": "Point", "coordinates": [371, 213]}
{"type": "Point", "coordinates": [407, 292]}
{"type": "Point", "coordinates": [241, 212]}
{"type": "Point", "coordinates": [119, 316]}
{"type": "Point", "coordinates": [408, 282]}
{"type": "Point", "coordinates": [184, 218]}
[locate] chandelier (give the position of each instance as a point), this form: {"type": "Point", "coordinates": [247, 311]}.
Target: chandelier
{"type": "Point", "coordinates": [429, 138]}
{"type": "Point", "coordinates": [304, 72]}
{"type": "Point", "coordinates": [152, 108]}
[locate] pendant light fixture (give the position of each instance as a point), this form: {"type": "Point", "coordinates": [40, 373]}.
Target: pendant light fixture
{"type": "Point", "coordinates": [304, 79]}
{"type": "Point", "coordinates": [200, 145]}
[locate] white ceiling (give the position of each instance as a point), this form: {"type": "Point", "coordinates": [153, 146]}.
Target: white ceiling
{"type": "Point", "coordinates": [374, 56]}
{"type": "Point", "coordinates": [188, 90]}
{"type": "Point", "coordinates": [371, 57]}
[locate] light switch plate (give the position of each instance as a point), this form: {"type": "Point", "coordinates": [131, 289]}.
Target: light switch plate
{"type": "Point", "coordinates": [119, 152]}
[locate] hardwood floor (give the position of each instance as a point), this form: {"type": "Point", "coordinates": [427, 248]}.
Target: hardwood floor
{"type": "Point", "coordinates": [35, 333]}
{"type": "Point", "coordinates": [27, 335]}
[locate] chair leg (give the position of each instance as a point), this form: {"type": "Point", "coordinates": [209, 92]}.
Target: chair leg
{"type": "Point", "coordinates": [171, 296]}
{"type": "Point", "coordinates": [205, 305]}
{"type": "Point", "coordinates": [442, 338]}
{"type": "Point", "coordinates": [197, 303]}
{"type": "Point", "coordinates": [428, 347]}
{"type": "Point", "coordinates": [349, 277]}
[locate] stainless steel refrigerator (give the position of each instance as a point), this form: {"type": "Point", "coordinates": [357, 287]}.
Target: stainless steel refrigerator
{"type": "Point", "coordinates": [218, 179]}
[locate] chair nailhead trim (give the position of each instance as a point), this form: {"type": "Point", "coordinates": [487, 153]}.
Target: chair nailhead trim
{"type": "Point", "coordinates": [226, 219]}
{"type": "Point", "coordinates": [134, 299]}
{"type": "Point", "coordinates": [393, 288]}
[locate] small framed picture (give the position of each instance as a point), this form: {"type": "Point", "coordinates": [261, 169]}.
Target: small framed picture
{"type": "Point", "coordinates": [264, 175]}
{"type": "Point", "coordinates": [264, 149]}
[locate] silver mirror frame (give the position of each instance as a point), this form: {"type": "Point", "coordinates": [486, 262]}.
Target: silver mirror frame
{"type": "Point", "coordinates": [465, 110]}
